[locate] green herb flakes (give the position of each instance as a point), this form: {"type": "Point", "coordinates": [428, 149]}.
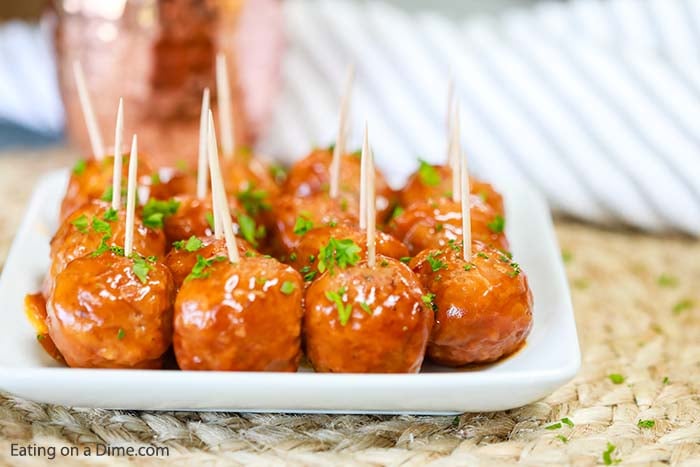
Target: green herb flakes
{"type": "Point", "coordinates": [608, 455]}
{"type": "Point", "coordinates": [155, 211]}
{"type": "Point", "coordinates": [616, 378]}
{"type": "Point", "coordinates": [344, 310]}
{"type": "Point", "coordinates": [287, 287]}
{"type": "Point", "coordinates": [81, 223]}
{"type": "Point", "coordinates": [646, 423]}
{"type": "Point", "coordinates": [121, 334]}
{"type": "Point", "coordinates": [428, 174]}
{"type": "Point", "coordinates": [80, 166]}
{"type": "Point", "coordinates": [341, 253]}
{"type": "Point", "coordinates": [497, 225]}
{"type": "Point", "coordinates": [302, 225]}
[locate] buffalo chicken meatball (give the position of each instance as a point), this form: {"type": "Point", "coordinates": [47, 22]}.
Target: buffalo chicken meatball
{"type": "Point", "coordinates": [243, 316]}
{"type": "Point", "coordinates": [483, 307]}
{"type": "Point", "coordinates": [95, 227]}
{"type": "Point", "coordinates": [435, 224]}
{"type": "Point", "coordinates": [186, 254]}
{"type": "Point", "coordinates": [109, 311]}
{"type": "Point", "coordinates": [432, 182]}
{"type": "Point", "coordinates": [311, 175]}
{"type": "Point", "coordinates": [318, 243]}
{"type": "Point", "coordinates": [366, 319]}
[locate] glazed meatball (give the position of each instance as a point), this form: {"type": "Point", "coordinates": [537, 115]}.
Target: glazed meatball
{"type": "Point", "coordinates": [293, 216]}
{"type": "Point", "coordinates": [435, 224]}
{"type": "Point", "coordinates": [244, 173]}
{"type": "Point", "coordinates": [432, 182]}
{"type": "Point", "coordinates": [483, 308]}
{"type": "Point", "coordinates": [35, 311]}
{"type": "Point", "coordinates": [167, 182]}
{"type": "Point", "coordinates": [92, 179]}
{"type": "Point", "coordinates": [239, 317]}
{"type": "Point", "coordinates": [109, 311]}
{"type": "Point", "coordinates": [311, 175]}
{"type": "Point", "coordinates": [366, 319]}
{"type": "Point", "coordinates": [93, 226]}
{"type": "Point", "coordinates": [184, 255]}
{"type": "Point", "coordinates": [308, 253]}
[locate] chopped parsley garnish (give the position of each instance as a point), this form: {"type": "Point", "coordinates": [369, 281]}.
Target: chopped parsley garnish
{"type": "Point", "coordinates": [435, 263]}
{"type": "Point", "coordinates": [553, 426]}
{"type": "Point", "coordinates": [287, 287]}
{"type": "Point", "coordinates": [384, 263]}
{"type": "Point", "coordinates": [682, 306]}
{"type": "Point", "coordinates": [504, 259]}
{"type": "Point", "coordinates": [79, 167]}
{"type": "Point", "coordinates": [406, 259]}
{"type": "Point", "coordinates": [667, 280]}
{"type": "Point", "coordinates": [616, 378]}
{"type": "Point", "coordinates": [344, 311]}
{"type": "Point", "coordinates": [190, 245]}
{"type": "Point", "coordinates": [497, 225]}
{"type": "Point", "coordinates": [365, 307]}
{"type": "Point", "coordinates": [607, 455]}
{"type": "Point", "coordinates": [302, 225]}
{"type": "Point", "coordinates": [111, 215]}
{"type": "Point", "coordinates": [81, 223]}
{"type": "Point", "coordinates": [121, 334]}
{"type": "Point", "coordinates": [398, 210]}
{"type": "Point", "coordinates": [567, 421]}
{"type": "Point", "coordinates": [468, 267]}
{"type": "Point", "coordinates": [566, 256]}
{"type": "Point", "coordinates": [199, 270]}
{"type": "Point", "coordinates": [341, 253]}
{"type": "Point", "coordinates": [309, 276]}
{"type": "Point", "coordinates": [429, 299]}
{"type": "Point", "coordinates": [428, 174]}
{"type": "Point", "coordinates": [155, 211]}
{"type": "Point", "coordinates": [332, 223]}
{"type": "Point", "coordinates": [344, 205]}
{"type": "Point", "coordinates": [249, 254]}
{"type": "Point", "coordinates": [515, 271]}
{"type": "Point", "coordinates": [312, 258]}
{"type": "Point", "coordinates": [646, 423]}
{"type": "Point", "coordinates": [253, 201]}
{"type": "Point", "coordinates": [209, 217]}
{"type": "Point", "coordinates": [100, 226]}
{"type": "Point", "coordinates": [562, 438]}
{"type": "Point", "coordinates": [454, 245]}
{"type": "Point", "coordinates": [439, 227]}
{"type": "Point", "coordinates": [249, 230]}
{"type": "Point", "coordinates": [292, 256]}
{"type": "Point", "coordinates": [142, 267]}
{"type": "Point", "coordinates": [155, 178]}
{"type": "Point", "coordinates": [481, 254]}
{"type": "Point", "coordinates": [278, 172]}
{"type": "Point", "coordinates": [665, 380]}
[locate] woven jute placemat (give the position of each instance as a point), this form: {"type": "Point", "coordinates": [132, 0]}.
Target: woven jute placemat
{"type": "Point", "coordinates": [637, 396]}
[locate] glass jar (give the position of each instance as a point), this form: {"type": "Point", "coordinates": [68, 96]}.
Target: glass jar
{"type": "Point", "coordinates": [159, 55]}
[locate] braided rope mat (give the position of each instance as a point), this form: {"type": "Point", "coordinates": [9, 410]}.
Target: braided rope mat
{"type": "Point", "coordinates": [637, 301]}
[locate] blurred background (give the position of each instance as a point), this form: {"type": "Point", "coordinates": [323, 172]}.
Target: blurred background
{"type": "Point", "coordinates": [594, 102]}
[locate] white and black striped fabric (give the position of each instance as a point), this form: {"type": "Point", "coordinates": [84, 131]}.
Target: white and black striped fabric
{"type": "Point", "coordinates": [595, 102]}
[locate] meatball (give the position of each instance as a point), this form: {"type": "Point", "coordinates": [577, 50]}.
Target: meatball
{"type": "Point", "coordinates": [483, 308]}
{"type": "Point", "coordinates": [435, 224]}
{"type": "Point", "coordinates": [432, 182]}
{"type": "Point", "coordinates": [244, 173]}
{"type": "Point", "coordinates": [366, 319]}
{"type": "Point", "coordinates": [305, 258]}
{"type": "Point", "coordinates": [109, 311]}
{"type": "Point", "coordinates": [92, 179]}
{"type": "Point", "coordinates": [311, 175]}
{"type": "Point", "coordinates": [96, 226]}
{"type": "Point", "coordinates": [292, 216]}
{"type": "Point", "coordinates": [167, 182]}
{"type": "Point", "coordinates": [240, 317]}
{"type": "Point", "coordinates": [185, 253]}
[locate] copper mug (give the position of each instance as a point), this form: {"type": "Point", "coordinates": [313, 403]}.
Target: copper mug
{"type": "Point", "coordinates": [159, 55]}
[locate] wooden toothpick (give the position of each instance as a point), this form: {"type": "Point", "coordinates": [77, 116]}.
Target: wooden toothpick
{"type": "Point", "coordinates": [339, 148]}
{"type": "Point", "coordinates": [131, 198]}
{"type": "Point", "coordinates": [371, 217]}
{"type": "Point", "coordinates": [363, 181]}
{"type": "Point", "coordinates": [98, 148]}
{"type": "Point", "coordinates": [117, 174]}
{"type": "Point", "coordinates": [465, 190]}
{"type": "Point", "coordinates": [455, 146]}
{"type": "Point", "coordinates": [202, 159]}
{"type": "Point", "coordinates": [219, 194]}
{"type": "Point", "coordinates": [223, 94]}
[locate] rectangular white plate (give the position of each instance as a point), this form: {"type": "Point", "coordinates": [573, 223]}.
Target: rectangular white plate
{"type": "Point", "coordinates": [550, 358]}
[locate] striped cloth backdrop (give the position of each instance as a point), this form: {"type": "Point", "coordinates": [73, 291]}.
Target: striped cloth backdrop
{"type": "Point", "coordinates": [596, 103]}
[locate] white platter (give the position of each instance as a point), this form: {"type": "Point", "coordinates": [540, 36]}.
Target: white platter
{"type": "Point", "coordinates": [550, 358]}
